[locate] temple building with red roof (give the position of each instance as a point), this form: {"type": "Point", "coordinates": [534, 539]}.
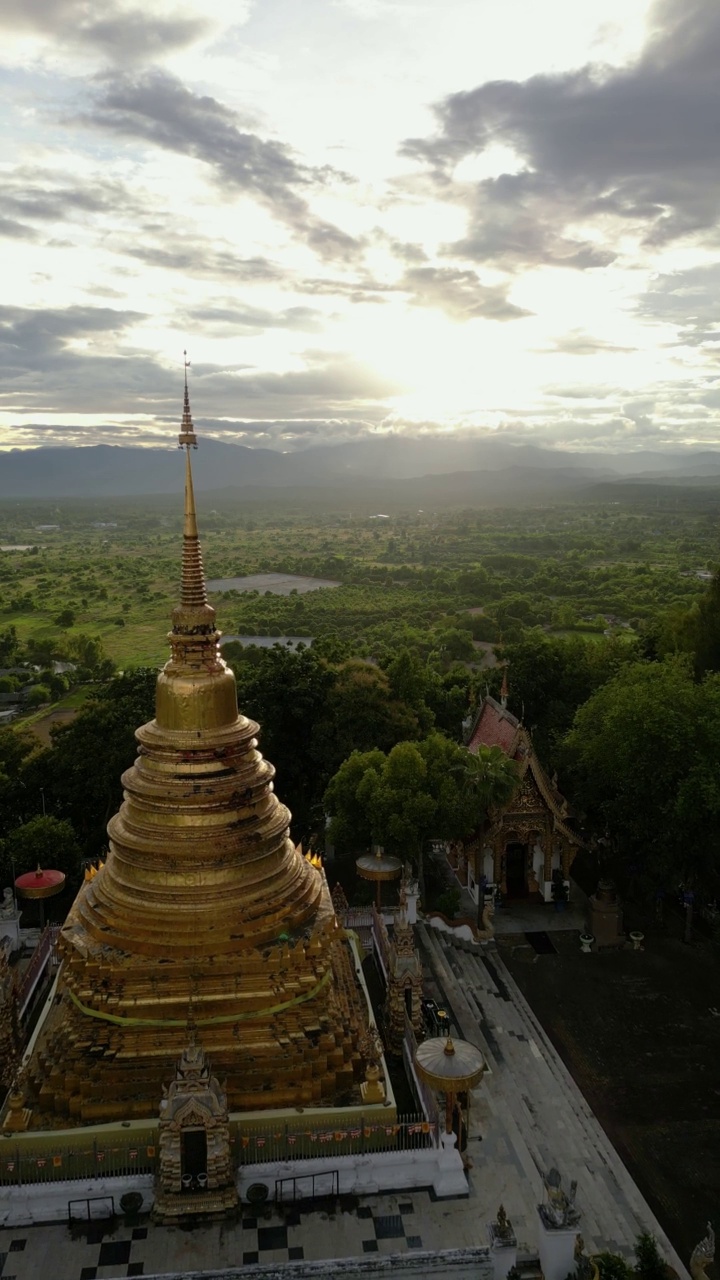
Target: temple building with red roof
{"type": "Point", "coordinates": [524, 843]}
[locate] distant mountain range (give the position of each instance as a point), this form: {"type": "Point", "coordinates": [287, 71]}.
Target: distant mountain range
{"type": "Point", "coordinates": [429, 469]}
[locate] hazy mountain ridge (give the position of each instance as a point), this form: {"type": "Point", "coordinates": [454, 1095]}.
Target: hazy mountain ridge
{"type": "Point", "coordinates": [461, 466]}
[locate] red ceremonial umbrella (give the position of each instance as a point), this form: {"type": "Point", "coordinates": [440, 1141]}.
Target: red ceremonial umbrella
{"type": "Point", "coordinates": [40, 884]}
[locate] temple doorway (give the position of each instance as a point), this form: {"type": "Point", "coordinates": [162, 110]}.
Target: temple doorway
{"type": "Point", "coordinates": [516, 871]}
{"type": "Point", "coordinates": [194, 1153]}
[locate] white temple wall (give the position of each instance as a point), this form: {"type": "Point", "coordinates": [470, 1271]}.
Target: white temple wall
{"type": "Point", "coordinates": [438, 1167]}
{"type": "Point", "coordinates": [555, 862]}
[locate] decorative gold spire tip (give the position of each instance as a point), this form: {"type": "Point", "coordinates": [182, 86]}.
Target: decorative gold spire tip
{"type": "Point", "coordinates": [187, 437]}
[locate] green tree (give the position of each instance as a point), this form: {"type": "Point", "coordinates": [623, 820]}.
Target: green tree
{"type": "Point", "coordinates": [643, 759]}
{"type": "Point", "coordinates": [649, 1265]}
{"type": "Point", "coordinates": [43, 841]}
{"type": "Point", "coordinates": [16, 799]}
{"type": "Point", "coordinates": [287, 693]}
{"type": "Point", "coordinates": [38, 694]}
{"type": "Point", "coordinates": [80, 772]}
{"type": "Point", "coordinates": [420, 791]}
{"type": "Point", "coordinates": [551, 676]}
{"type": "Point", "coordinates": [698, 629]}
{"type": "Point", "coordinates": [361, 713]}
{"type": "Point", "coordinates": [9, 645]}
{"type": "Point", "coordinates": [612, 1266]}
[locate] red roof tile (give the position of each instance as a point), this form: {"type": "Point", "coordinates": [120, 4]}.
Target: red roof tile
{"type": "Point", "coordinates": [495, 728]}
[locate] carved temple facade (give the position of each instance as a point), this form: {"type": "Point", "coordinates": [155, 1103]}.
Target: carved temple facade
{"type": "Point", "coordinates": [533, 837]}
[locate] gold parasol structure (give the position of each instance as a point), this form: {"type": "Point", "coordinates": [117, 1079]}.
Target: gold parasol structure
{"type": "Point", "coordinates": [379, 866]}
{"type": "Point", "coordinates": [40, 884]}
{"type": "Point", "coordinates": [450, 1066]}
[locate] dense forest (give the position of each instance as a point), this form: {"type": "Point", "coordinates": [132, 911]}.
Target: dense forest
{"type": "Point", "coordinates": [608, 618]}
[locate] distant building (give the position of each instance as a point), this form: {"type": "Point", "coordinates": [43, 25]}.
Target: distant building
{"type": "Point", "coordinates": [531, 838]}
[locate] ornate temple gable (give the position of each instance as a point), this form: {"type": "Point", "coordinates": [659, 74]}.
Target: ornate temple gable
{"type": "Point", "coordinates": [495, 726]}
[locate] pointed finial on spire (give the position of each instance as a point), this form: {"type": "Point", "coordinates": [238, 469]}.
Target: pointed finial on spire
{"type": "Point", "coordinates": [194, 616]}
{"type": "Point", "coordinates": [187, 437]}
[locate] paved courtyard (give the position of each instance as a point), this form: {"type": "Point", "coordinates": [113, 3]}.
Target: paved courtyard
{"type": "Point", "coordinates": [640, 1032]}
{"type": "Point", "coordinates": [525, 1116]}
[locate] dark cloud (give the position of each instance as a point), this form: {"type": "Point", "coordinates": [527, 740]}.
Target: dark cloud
{"type": "Point", "coordinates": [361, 288]}
{"type": "Point", "coordinates": [688, 299]}
{"type": "Point", "coordinates": [195, 255]}
{"type": "Point", "coordinates": [44, 368]}
{"type": "Point", "coordinates": [226, 320]}
{"type": "Point", "coordinates": [33, 338]}
{"type": "Point", "coordinates": [157, 108]}
{"type": "Point", "coordinates": [328, 384]}
{"type": "Point", "coordinates": [638, 145]}
{"type": "Point", "coordinates": [34, 203]}
{"type": "Point", "coordinates": [14, 230]}
{"type": "Point", "coordinates": [580, 391]}
{"type": "Point", "coordinates": [118, 33]}
{"type": "Point", "coordinates": [579, 343]}
{"type": "Point", "coordinates": [459, 294]}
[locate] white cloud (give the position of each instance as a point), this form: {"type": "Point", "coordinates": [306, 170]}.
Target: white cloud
{"type": "Point", "coordinates": [542, 258]}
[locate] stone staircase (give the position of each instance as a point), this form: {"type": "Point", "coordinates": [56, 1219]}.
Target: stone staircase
{"type": "Point", "coordinates": [532, 1103]}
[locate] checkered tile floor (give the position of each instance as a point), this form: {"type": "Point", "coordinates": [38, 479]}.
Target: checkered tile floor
{"type": "Point", "coordinates": [388, 1225]}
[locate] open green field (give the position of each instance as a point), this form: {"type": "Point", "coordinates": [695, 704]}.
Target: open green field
{"type": "Point", "coordinates": [553, 567]}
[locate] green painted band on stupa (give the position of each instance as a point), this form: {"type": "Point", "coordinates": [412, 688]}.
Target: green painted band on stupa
{"type": "Point", "coordinates": [120, 1021]}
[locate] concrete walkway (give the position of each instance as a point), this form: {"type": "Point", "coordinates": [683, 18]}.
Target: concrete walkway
{"type": "Point", "coordinates": [531, 917]}
{"type": "Point", "coordinates": [531, 1113]}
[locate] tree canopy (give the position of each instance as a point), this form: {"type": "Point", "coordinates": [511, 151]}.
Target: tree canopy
{"type": "Point", "coordinates": [432, 789]}
{"type": "Point", "coordinates": [643, 756]}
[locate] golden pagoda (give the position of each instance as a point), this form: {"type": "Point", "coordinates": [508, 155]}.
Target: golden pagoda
{"type": "Point", "coordinates": [204, 910]}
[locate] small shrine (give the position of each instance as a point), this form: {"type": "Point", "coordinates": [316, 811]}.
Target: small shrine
{"type": "Point", "coordinates": [196, 1172]}
{"type": "Point", "coordinates": [530, 845]}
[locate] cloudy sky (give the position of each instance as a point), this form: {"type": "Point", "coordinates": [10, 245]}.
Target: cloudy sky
{"type": "Point", "coordinates": [361, 216]}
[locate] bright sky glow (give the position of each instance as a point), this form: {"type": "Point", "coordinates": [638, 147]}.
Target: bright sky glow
{"type": "Point", "coordinates": [360, 216]}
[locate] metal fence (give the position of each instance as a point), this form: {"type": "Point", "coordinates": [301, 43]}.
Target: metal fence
{"type": "Point", "coordinates": [406, 1133]}
{"type": "Point", "coordinates": [24, 1165]}
{"type": "Point", "coordinates": [28, 1165]}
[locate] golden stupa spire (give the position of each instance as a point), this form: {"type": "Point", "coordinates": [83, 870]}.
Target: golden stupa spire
{"type": "Point", "coordinates": [194, 616]}
{"type": "Point", "coordinates": [203, 914]}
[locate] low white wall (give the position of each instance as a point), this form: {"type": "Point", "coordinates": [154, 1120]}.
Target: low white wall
{"type": "Point", "coordinates": [440, 1168]}
{"type": "Point", "coordinates": [459, 1264]}
{"type": "Point", "coordinates": [48, 1201]}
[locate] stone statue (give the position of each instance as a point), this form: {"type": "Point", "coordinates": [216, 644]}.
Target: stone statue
{"type": "Point", "coordinates": [503, 1225]}
{"type": "Point", "coordinates": [559, 1210]}
{"type": "Point", "coordinates": [7, 906]}
{"type": "Point", "coordinates": [702, 1255]}
{"type": "Point", "coordinates": [487, 933]}
{"type": "Point", "coordinates": [585, 1269]}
